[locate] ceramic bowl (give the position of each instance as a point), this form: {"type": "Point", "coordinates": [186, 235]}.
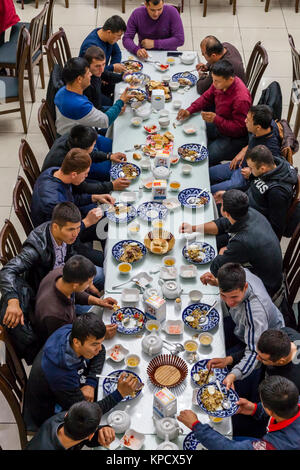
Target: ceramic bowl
{"type": "Point", "coordinates": [132, 360]}
{"type": "Point", "coordinates": [190, 346]}
{"type": "Point", "coordinates": [205, 339]}
{"type": "Point", "coordinates": [187, 58]}
{"type": "Point", "coordinates": [188, 271]}
{"type": "Point", "coordinates": [161, 172]}
{"type": "Point", "coordinates": [164, 113]}
{"type": "Point", "coordinates": [169, 260]}
{"type": "Point", "coordinates": [144, 111]}
{"type": "Point", "coordinates": [130, 295]}
{"type": "Point", "coordinates": [174, 85]}
{"type": "Point", "coordinates": [128, 196]}
{"type": "Point", "coordinates": [136, 121]}
{"type": "Point", "coordinates": [133, 228]}
{"type": "Point", "coordinates": [195, 296]}
{"type": "Point", "coordinates": [186, 169]}
{"type": "Point", "coordinates": [124, 268]}
{"type": "Point", "coordinates": [153, 326]}
{"type": "Point", "coordinates": [145, 165]}
{"type": "Point", "coordinates": [175, 186]}
{"type": "Point", "coordinates": [117, 353]}
{"type": "Point", "coordinates": [177, 104]}
{"type": "Point", "coordinates": [172, 203]}
{"type": "Point", "coordinates": [164, 121]}
{"type": "Point", "coordinates": [189, 130]}
{"type": "Point", "coordinates": [132, 439]}
{"type": "Point", "coordinates": [173, 327]}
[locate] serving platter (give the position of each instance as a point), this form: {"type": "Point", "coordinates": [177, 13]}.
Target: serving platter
{"type": "Point", "coordinates": [185, 75]}
{"type": "Point", "coordinates": [207, 250]}
{"type": "Point", "coordinates": [127, 214]}
{"type": "Point", "coordinates": [118, 170]}
{"type": "Point", "coordinates": [217, 373]}
{"type": "Point", "coordinates": [129, 320]}
{"type": "Point", "coordinates": [194, 198]}
{"type": "Point", "coordinates": [118, 249]}
{"type": "Point", "coordinates": [152, 210]}
{"type": "Point", "coordinates": [109, 386]}
{"type": "Point", "coordinates": [201, 151]}
{"type": "Point", "coordinates": [212, 320]}
{"type": "Point", "coordinates": [230, 394]}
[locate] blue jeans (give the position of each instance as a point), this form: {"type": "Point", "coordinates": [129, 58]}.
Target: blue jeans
{"type": "Point", "coordinates": [221, 147]}
{"type": "Point", "coordinates": [223, 178]}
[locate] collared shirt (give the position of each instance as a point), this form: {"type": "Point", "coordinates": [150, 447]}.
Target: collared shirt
{"type": "Point", "coordinates": [60, 252]}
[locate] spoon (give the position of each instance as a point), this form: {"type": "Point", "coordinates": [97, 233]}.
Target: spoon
{"type": "Point", "coordinates": [133, 279]}
{"type": "Point", "coordinates": [172, 351]}
{"type": "Point", "coordinates": [136, 147]}
{"type": "Point", "coordinates": [178, 346]}
{"type": "Point", "coordinates": [187, 72]}
{"type": "Point", "coordinates": [225, 403]}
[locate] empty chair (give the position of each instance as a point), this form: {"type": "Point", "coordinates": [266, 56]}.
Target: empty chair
{"type": "Point", "coordinates": [291, 267]}
{"type": "Point", "coordinates": [22, 197]}
{"type": "Point", "coordinates": [10, 243]}
{"type": "Point", "coordinates": [295, 92]}
{"type": "Point", "coordinates": [57, 49]}
{"type": "Point", "coordinates": [28, 162]}
{"type": "Point", "coordinates": [14, 86]}
{"type": "Point", "coordinates": [268, 4]}
{"type": "Point", "coordinates": [257, 64]}
{"type": "Point", "coordinates": [231, 2]}
{"type": "Point", "coordinates": [46, 123]}
{"type": "Point", "coordinates": [13, 382]}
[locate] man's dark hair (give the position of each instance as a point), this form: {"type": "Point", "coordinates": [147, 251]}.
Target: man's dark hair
{"type": "Point", "coordinates": [82, 137]}
{"type": "Point", "coordinates": [94, 52]}
{"type": "Point", "coordinates": [279, 395]}
{"type": "Point", "coordinates": [276, 343]}
{"type": "Point", "coordinates": [231, 276]}
{"type": "Point", "coordinates": [154, 2]}
{"type": "Point", "coordinates": [78, 269]}
{"type": "Point", "coordinates": [114, 24]}
{"type": "Point", "coordinates": [87, 324]}
{"type": "Point", "coordinates": [262, 115]}
{"type": "Point", "coordinates": [74, 67]}
{"type": "Point", "coordinates": [260, 155]}
{"type": "Point", "coordinates": [223, 68]}
{"type": "Point", "coordinates": [213, 46]}
{"type": "Point", "coordinates": [82, 420]}
{"type": "Point", "coordinates": [65, 212]}
{"type": "Point", "coordinates": [236, 203]}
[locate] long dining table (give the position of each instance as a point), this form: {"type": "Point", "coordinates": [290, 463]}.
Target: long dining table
{"type": "Point", "coordinates": [125, 136]}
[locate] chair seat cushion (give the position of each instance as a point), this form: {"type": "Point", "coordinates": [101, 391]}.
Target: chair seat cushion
{"type": "Point", "coordinates": [8, 53]}
{"type": "Point", "coordinates": [15, 30]}
{"type": "Point", "coordinates": [10, 86]}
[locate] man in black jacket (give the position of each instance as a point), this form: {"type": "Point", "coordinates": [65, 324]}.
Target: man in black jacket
{"type": "Point", "coordinates": [48, 246]}
{"type": "Point", "coordinates": [65, 370]}
{"type": "Point", "coordinates": [252, 241]}
{"type": "Point", "coordinates": [86, 138]}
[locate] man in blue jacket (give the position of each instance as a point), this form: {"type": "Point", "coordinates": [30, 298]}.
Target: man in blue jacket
{"type": "Point", "coordinates": [279, 400]}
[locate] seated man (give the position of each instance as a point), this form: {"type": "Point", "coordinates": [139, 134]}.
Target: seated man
{"type": "Point", "coordinates": [65, 370]}
{"type": "Point", "coordinates": [157, 25]}
{"type": "Point", "coordinates": [79, 426]}
{"type": "Point", "coordinates": [73, 107]}
{"type": "Point", "coordinates": [58, 293]}
{"type": "Point", "coordinates": [86, 138]}
{"type": "Point", "coordinates": [213, 51]}
{"type": "Point", "coordinates": [55, 185]}
{"type": "Point", "coordinates": [252, 241]}
{"type": "Point", "coordinates": [279, 400]}
{"type": "Point", "coordinates": [226, 128]}
{"type": "Point", "coordinates": [250, 311]}
{"type": "Point", "coordinates": [262, 130]}
{"type": "Point", "coordinates": [106, 38]}
{"type": "Point", "coordinates": [47, 247]}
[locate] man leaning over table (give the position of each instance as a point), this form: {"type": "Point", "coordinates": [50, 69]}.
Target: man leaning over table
{"type": "Point", "coordinates": [157, 25]}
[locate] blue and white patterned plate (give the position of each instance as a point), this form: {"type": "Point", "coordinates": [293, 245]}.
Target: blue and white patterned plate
{"type": "Point", "coordinates": [230, 394]}
{"type": "Point", "coordinates": [219, 374]}
{"type": "Point", "coordinates": [212, 320]}
{"type": "Point", "coordinates": [109, 386]}
{"type": "Point", "coordinates": [209, 252]}
{"type": "Point", "coordinates": [117, 171]}
{"type": "Point", "coordinates": [131, 313]}
{"type": "Point", "coordinates": [123, 217]}
{"type": "Point", "coordinates": [128, 62]}
{"type": "Point", "coordinates": [118, 249]}
{"type": "Point", "coordinates": [189, 76]}
{"type": "Point", "coordinates": [189, 197]}
{"type": "Point", "coordinates": [132, 100]}
{"type": "Point", "coordinates": [202, 152]}
{"type": "Point", "coordinates": [152, 210]}
{"type": "Point", "coordinates": [191, 442]}
{"type": "Point", "coordinates": [142, 77]}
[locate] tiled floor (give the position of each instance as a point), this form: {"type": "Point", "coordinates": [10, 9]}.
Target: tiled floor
{"type": "Point", "coordinates": [249, 25]}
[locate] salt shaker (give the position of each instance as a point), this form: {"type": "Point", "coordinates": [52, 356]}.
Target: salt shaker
{"type": "Point", "coordinates": [178, 304]}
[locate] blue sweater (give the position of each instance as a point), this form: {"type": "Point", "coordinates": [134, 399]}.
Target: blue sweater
{"type": "Point", "coordinates": [112, 51]}
{"type": "Point", "coordinates": [49, 191]}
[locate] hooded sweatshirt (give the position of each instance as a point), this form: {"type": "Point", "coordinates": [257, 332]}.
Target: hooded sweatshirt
{"type": "Point", "coordinates": [272, 194]}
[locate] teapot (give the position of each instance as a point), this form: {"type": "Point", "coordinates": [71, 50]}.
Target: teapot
{"type": "Point", "coordinates": [170, 289]}
{"type": "Point", "coordinates": [152, 344]}
{"type": "Point", "coordinates": [167, 428]}
{"type": "Point", "coordinates": [187, 58]}
{"type": "Point", "coordinates": [119, 420]}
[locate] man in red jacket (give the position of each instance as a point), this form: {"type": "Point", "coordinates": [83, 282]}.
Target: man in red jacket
{"type": "Point", "coordinates": [8, 17]}
{"type": "Point", "coordinates": [226, 129]}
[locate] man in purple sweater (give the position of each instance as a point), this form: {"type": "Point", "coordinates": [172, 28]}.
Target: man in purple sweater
{"type": "Point", "coordinates": [157, 25]}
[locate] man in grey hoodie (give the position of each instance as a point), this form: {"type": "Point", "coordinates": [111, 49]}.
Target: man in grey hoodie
{"type": "Point", "coordinates": [250, 312]}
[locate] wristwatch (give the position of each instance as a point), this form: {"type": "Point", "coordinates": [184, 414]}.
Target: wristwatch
{"type": "Point", "coordinates": [108, 155]}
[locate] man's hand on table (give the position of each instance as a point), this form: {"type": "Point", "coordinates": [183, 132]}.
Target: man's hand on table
{"type": "Point", "coordinates": [142, 54]}
{"type": "Point", "coordinates": [13, 315]}
{"type": "Point", "coordinates": [147, 43]}
{"type": "Point", "coordinates": [127, 386]}
{"type": "Point", "coordinates": [88, 392]}
{"type": "Point", "coordinates": [107, 302]}
{"type": "Point", "coordinates": [219, 362]}
{"type": "Point", "coordinates": [126, 95]}
{"type": "Point", "coordinates": [118, 157]}
{"type": "Point", "coordinates": [111, 331]}
{"type": "Point", "coordinates": [92, 217]}
{"type": "Point", "coordinates": [120, 183]}
{"type": "Point", "coordinates": [208, 116]}
{"type": "Point", "coordinates": [103, 199]}
{"type": "Point", "coordinates": [106, 436]}
{"type": "Point", "coordinates": [183, 114]}
{"type": "Point", "coordinates": [188, 418]}
{"type": "Point", "coordinates": [186, 228]}
{"type": "Point", "coordinates": [209, 278]}
{"type": "Point", "coordinates": [119, 68]}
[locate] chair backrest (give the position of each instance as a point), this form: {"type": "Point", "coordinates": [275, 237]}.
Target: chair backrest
{"type": "Point", "coordinates": [22, 197]}
{"type": "Point", "coordinates": [291, 266]}
{"type": "Point", "coordinates": [295, 201]}
{"type": "Point", "coordinates": [28, 162]}
{"type": "Point", "coordinates": [295, 59]}
{"type": "Point", "coordinates": [46, 123]}
{"type": "Point", "coordinates": [13, 382]}
{"type": "Point", "coordinates": [23, 47]}
{"type": "Point", "coordinates": [36, 30]}
{"type": "Point", "coordinates": [58, 49]}
{"type": "Point", "coordinates": [257, 64]}
{"type": "Point", "coordinates": [49, 22]}
{"type": "Point", "coordinates": [10, 243]}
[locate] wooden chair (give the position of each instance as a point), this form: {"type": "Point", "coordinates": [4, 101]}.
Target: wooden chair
{"type": "Point", "coordinates": [10, 243]}
{"type": "Point", "coordinates": [296, 200]}
{"type": "Point", "coordinates": [46, 123]}
{"type": "Point", "coordinates": [256, 66]}
{"type": "Point", "coordinates": [291, 267]}
{"type": "Point", "coordinates": [37, 3]}
{"type": "Point", "coordinates": [22, 197]}
{"type": "Point", "coordinates": [231, 2]}
{"type": "Point", "coordinates": [13, 381]}
{"type": "Point", "coordinates": [8, 51]}
{"type": "Point", "coordinates": [28, 162]}
{"type": "Point", "coordinates": [295, 92]}
{"type": "Point", "coordinates": [268, 4]}
{"type": "Point", "coordinates": [14, 86]}
{"type": "Point", "coordinates": [57, 49]}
